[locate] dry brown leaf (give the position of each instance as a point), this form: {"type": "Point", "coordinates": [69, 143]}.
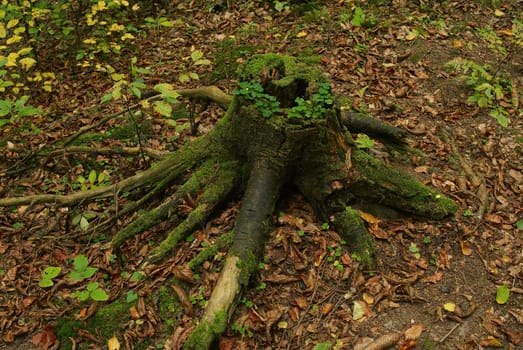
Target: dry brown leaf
{"type": "Point", "coordinates": [134, 313]}
{"type": "Point", "coordinates": [327, 308]}
{"type": "Point", "coordinates": [491, 341]}
{"type": "Point", "coordinates": [434, 278]}
{"type": "Point", "coordinates": [466, 248]}
{"type": "Point", "coordinates": [414, 331]}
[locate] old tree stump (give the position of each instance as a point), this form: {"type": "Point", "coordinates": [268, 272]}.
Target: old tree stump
{"type": "Point", "coordinates": [281, 126]}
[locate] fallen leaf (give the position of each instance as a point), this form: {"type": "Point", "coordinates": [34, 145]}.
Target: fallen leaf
{"type": "Point", "coordinates": [450, 307]}
{"type": "Point", "coordinates": [45, 339]}
{"type": "Point", "coordinates": [327, 308]}
{"type": "Point", "coordinates": [502, 294]}
{"type": "Point", "coordinates": [414, 331]}
{"type": "Point", "coordinates": [490, 341]}
{"type": "Point", "coordinates": [434, 278]}
{"type": "Point", "coordinates": [466, 249]}
{"type": "Point", "coordinates": [113, 344]}
{"type": "Point", "coordinates": [302, 34]}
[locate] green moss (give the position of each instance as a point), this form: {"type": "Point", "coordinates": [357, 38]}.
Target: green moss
{"type": "Point", "coordinates": [392, 187]}
{"type": "Point", "coordinates": [290, 67]}
{"type": "Point", "coordinates": [222, 244]}
{"type": "Point", "coordinates": [107, 322]}
{"type": "Point", "coordinates": [66, 328]}
{"type": "Point", "coordinates": [168, 303]}
{"type": "Point", "coordinates": [109, 318]}
{"type": "Point", "coordinates": [203, 335]}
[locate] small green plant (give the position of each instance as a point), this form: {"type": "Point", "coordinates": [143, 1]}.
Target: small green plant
{"type": "Point", "coordinates": [243, 330]}
{"type": "Point", "coordinates": [261, 286]}
{"type": "Point", "coordinates": [489, 91]}
{"type": "Point", "coordinates": [11, 111]}
{"type": "Point", "coordinates": [281, 6]}
{"type": "Point", "coordinates": [322, 346]}
{"type": "Point", "coordinates": [300, 233]}
{"type": "Point", "coordinates": [363, 141]}
{"type": "Point", "coordinates": [264, 103]}
{"type": "Point", "coordinates": [427, 240]}
{"type": "Point", "coordinates": [81, 220]}
{"type": "Point", "coordinates": [316, 106]}
{"type": "Point", "coordinates": [325, 226]}
{"type": "Point", "coordinates": [131, 296]}
{"type": "Point", "coordinates": [199, 298]}
{"type": "Point", "coordinates": [93, 181]}
{"type": "Point", "coordinates": [137, 276]}
{"type": "Point", "coordinates": [467, 213]}
{"type": "Point", "coordinates": [92, 291]}
{"type": "Point", "coordinates": [81, 269]}
{"type": "Point", "coordinates": [413, 248]}
{"type": "Point", "coordinates": [247, 302]}
{"type": "Point", "coordinates": [196, 59]}
{"type": "Point", "coordinates": [47, 276]}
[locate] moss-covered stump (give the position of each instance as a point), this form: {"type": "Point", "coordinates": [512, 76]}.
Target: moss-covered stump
{"type": "Point", "coordinates": [282, 125]}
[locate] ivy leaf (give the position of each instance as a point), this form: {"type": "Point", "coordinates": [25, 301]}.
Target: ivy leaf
{"type": "Point", "coordinates": [27, 62]}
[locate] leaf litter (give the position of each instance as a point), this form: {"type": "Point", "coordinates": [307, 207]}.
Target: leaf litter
{"type": "Point", "coordinates": [455, 285]}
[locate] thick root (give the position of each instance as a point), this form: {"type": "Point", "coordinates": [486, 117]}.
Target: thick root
{"type": "Point", "coordinates": [168, 207]}
{"type": "Point", "coordinates": [215, 318]}
{"type": "Point", "coordinates": [225, 177]}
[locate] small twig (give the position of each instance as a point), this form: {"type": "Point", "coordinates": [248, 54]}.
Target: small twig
{"type": "Point", "coordinates": [449, 333]}
{"type": "Point", "coordinates": [476, 180]}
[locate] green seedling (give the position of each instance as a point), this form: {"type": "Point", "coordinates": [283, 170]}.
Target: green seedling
{"type": "Point", "coordinates": [47, 276]}
{"type": "Point", "coordinates": [81, 269]}
{"type": "Point", "coordinates": [91, 291]}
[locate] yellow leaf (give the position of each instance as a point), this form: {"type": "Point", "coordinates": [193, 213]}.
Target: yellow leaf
{"type": "Point", "coordinates": [113, 344]}
{"type": "Point", "coordinates": [90, 41]}
{"type": "Point", "coordinates": [450, 307]}
{"type": "Point", "coordinates": [11, 59]}
{"type": "Point", "coordinates": [19, 30]}
{"type": "Point", "coordinates": [466, 249]}
{"type": "Point", "coordinates": [499, 13]}
{"type": "Point", "coordinates": [411, 36]}
{"type": "Point", "coordinates": [369, 299]}
{"type": "Point", "coordinates": [27, 62]}
{"type": "Point", "coordinates": [117, 76]}
{"type": "Point", "coordinates": [25, 51]}
{"type": "Point", "coordinates": [507, 32]}
{"type": "Point", "coordinates": [457, 44]}
{"type": "Point", "coordinates": [301, 34]}
{"type": "Point", "coordinates": [12, 23]}
{"type": "Point", "coordinates": [283, 325]}
{"type": "Point", "coordinates": [3, 31]}
{"type": "Point", "coordinates": [13, 39]}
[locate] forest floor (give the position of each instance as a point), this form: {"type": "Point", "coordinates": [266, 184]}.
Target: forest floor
{"type": "Point", "coordinates": [436, 285]}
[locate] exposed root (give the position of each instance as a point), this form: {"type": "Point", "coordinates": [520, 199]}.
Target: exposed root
{"type": "Point", "coordinates": [225, 179]}
{"type": "Point", "coordinates": [96, 151]}
{"type": "Point", "coordinates": [168, 207]}
{"type": "Point", "coordinates": [176, 164]}
{"type": "Point", "coordinates": [222, 244]}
